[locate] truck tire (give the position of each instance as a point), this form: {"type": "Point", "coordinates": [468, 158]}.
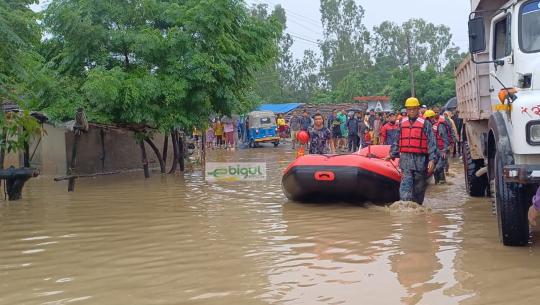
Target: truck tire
{"type": "Point", "coordinates": [476, 186]}
{"type": "Point", "coordinates": [512, 206]}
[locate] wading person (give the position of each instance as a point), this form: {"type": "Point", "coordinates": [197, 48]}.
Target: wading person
{"type": "Point", "coordinates": [423, 110]}
{"type": "Point", "coordinates": [282, 125]}
{"type": "Point", "coordinates": [319, 136]}
{"type": "Point", "coordinates": [389, 130]}
{"type": "Point", "coordinates": [377, 124]}
{"type": "Point", "coordinates": [367, 139]}
{"type": "Point", "coordinates": [218, 133]}
{"type": "Point", "coordinates": [210, 137]}
{"type": "Point", "coordinates": [305, 121]}
{"type": "Point", "coordinates": [453, 137]}
{"type": "Point", "coordinates": [417, 149]}
{"type": "Point", "coordinates": [294, 123]}
{"type": "Point", "coordinates": [344, 132]}
{"type": "Point", "coordinates": [352, 127]}
{"type": "Point", "coordinates": [534, 210]}
{"type": "Point", "coordinates": [443, 144]}
{"type": "Point", "coordinates": [336, 132]}
{"type": "Point", "coordinates": [228, 130]}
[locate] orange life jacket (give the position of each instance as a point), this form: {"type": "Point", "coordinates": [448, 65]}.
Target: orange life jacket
{"type": "Point", "coordinates": [449, 130]}
{"type": "Point", "coordinates": [412, 138]}
{"type": "Point", "coordinates": [440, 140]}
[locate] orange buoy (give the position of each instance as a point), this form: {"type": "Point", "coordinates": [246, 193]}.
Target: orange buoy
{"type": "Point", "coordinates": [302, 137]}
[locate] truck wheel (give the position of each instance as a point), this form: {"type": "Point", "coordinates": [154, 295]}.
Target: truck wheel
{"type": "Point", "coordinates": [276, 144]}
{"type": "Point", "coordinates": [512, 206]}
{"type": "Point", "coordinates": [476, 186]}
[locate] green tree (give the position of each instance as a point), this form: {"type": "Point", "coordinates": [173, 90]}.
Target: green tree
{"type": "Point", "coordinates": [429, 43]}
{"type": "Point", "coordinates": [159, 65]}
{"type": "Point", "coordinates": [19, 61]}
{"type": "Point", "coordinates": [278, 82]}
{"type": "Point", "coordinates": [346, 39]}
{"type": "Point", "coordinates": [432, 87]}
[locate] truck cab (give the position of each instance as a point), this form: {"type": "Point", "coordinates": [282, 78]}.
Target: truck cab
{"type": "Point", "coordinates": [498, 90]}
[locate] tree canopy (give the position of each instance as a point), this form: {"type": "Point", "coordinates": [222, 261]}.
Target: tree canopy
{"type": "Point", "coordinates": [19, 60]}
{"type": "Point", "coordinates": [161, 63]}
{"type": "Point", "coordinates": [351, 60]}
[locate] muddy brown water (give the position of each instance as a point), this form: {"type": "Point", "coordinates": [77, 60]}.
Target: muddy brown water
{"type": "Point", "coordinates": [178, 240]}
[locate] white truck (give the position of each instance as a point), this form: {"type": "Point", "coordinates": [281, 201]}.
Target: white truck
{"type": "Point", "coordinates": [498, 91]}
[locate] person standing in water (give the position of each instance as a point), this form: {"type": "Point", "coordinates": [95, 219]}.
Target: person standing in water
{"type": "Point", "coordinates": [417, 149]}
{"type": "Point", "coordinates": [441, 135]}
{"type": "Point", "coordinates": [389, 130]}
{"type": "Point", "coordinates": [319, 135]}
{"type": "Point", "coordinates": [534, 210]}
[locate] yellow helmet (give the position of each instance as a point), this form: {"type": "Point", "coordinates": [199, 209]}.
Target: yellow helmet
{"type": "Point", "coordinates": [429, 114]}
{"type": "Point", "coordinates": [412, 102]}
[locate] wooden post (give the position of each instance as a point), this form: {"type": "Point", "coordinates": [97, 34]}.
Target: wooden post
{"type": "Point", "coordinates": [144, 160]}
{"type": "Point", "coordinates": [2, 153]}
{"type": "Point", "coordinates": [411, 69]}
{"type": "Point", "coordinates": [71, 183]}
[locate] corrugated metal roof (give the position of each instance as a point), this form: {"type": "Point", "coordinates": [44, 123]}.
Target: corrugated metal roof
{"type": "Point", "coordinates": [279, 108]}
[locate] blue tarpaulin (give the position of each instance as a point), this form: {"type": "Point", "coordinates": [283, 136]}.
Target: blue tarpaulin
{"type": "Point", "coordinates": [279, 108]}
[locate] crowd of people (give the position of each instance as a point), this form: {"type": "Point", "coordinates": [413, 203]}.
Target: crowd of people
{"type": "Point", "coordinates": [423, 138]}
{"type": "Point", "coordinates": [224, 133]}
{"type": "Point", "coordinates": [344, 131]}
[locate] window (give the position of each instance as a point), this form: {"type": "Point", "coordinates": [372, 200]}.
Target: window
{"type": "Point", "coordinates": [529, 26]}
{"type": "Point", "coordinates": [266, 121]}
{"type": "Point", "coordinates": [503, 44]}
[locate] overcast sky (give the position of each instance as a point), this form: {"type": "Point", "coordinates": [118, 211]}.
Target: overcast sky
{"type": "Point", "coordinates": [303, 17]}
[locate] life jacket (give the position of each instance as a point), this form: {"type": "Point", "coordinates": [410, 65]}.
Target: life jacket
{"type": "Point", "coordinates": [449, 130]}
{"type": "Point", "coordinates": [440, 140]}
{"type": "Point", "coordinates": [412, 138]}
{"type": "Point", "coordinates": [391, 133]}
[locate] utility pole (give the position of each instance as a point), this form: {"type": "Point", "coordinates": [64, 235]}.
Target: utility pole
{"type": "Point", "coordinates": [411, 71]}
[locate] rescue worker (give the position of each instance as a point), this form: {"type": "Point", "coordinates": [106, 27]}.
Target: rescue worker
{"type": "Point", "coordinates": [402, 114]}
{"type": "Point", "coordinates": [443, 144]}
{"type": "Point", "coordinates": [423, 110]}
{"type": "Point", "coordinates": [389, 130]}
{"type": "Point", "coordinates": [417, 149]}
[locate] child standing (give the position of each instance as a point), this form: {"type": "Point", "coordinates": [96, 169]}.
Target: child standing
{"type": "Point", "coordinates": [210, 138]}
{"type": "Point", "coordinates": [367, 138]}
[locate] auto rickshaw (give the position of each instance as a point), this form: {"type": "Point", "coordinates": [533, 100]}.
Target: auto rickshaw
{"type": "Point", "coordinates": [262, 128]}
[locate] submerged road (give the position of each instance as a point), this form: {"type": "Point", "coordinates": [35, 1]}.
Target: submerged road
{"type": "Point", "coordinates": [177, 240]}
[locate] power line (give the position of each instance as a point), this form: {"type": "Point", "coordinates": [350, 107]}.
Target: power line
{"type": "Point", "coordinates": [305, 27]}
{"type": "Point", "coordinates": [268, 78]}
{"type": "Point", "coordinates": [308, 19]}
{"type": "Point", "coordinates": [335, 68]}
{"type": "Point", "coordinates": [304, 39]}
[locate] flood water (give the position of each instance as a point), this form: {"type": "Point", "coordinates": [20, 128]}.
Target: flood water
{"type": "Point", "coordinates": [177, 240]}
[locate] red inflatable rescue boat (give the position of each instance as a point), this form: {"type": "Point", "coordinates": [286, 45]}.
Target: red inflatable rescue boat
{"type": "Point", "coordinates": [361, 177]}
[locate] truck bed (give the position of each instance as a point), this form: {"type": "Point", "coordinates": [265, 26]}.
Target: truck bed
{"type": "Point", "coordinates": [473, 89]}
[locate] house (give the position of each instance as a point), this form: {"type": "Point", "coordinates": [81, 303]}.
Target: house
{"type": "Point", "coordinates": [377, 103]}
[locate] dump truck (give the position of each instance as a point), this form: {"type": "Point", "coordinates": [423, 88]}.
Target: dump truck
{"type": "Point", "coordinates": [498, 91]}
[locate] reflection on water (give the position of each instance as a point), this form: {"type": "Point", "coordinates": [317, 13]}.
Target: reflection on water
{"type": "Point", "coordinates": [177, 240]}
